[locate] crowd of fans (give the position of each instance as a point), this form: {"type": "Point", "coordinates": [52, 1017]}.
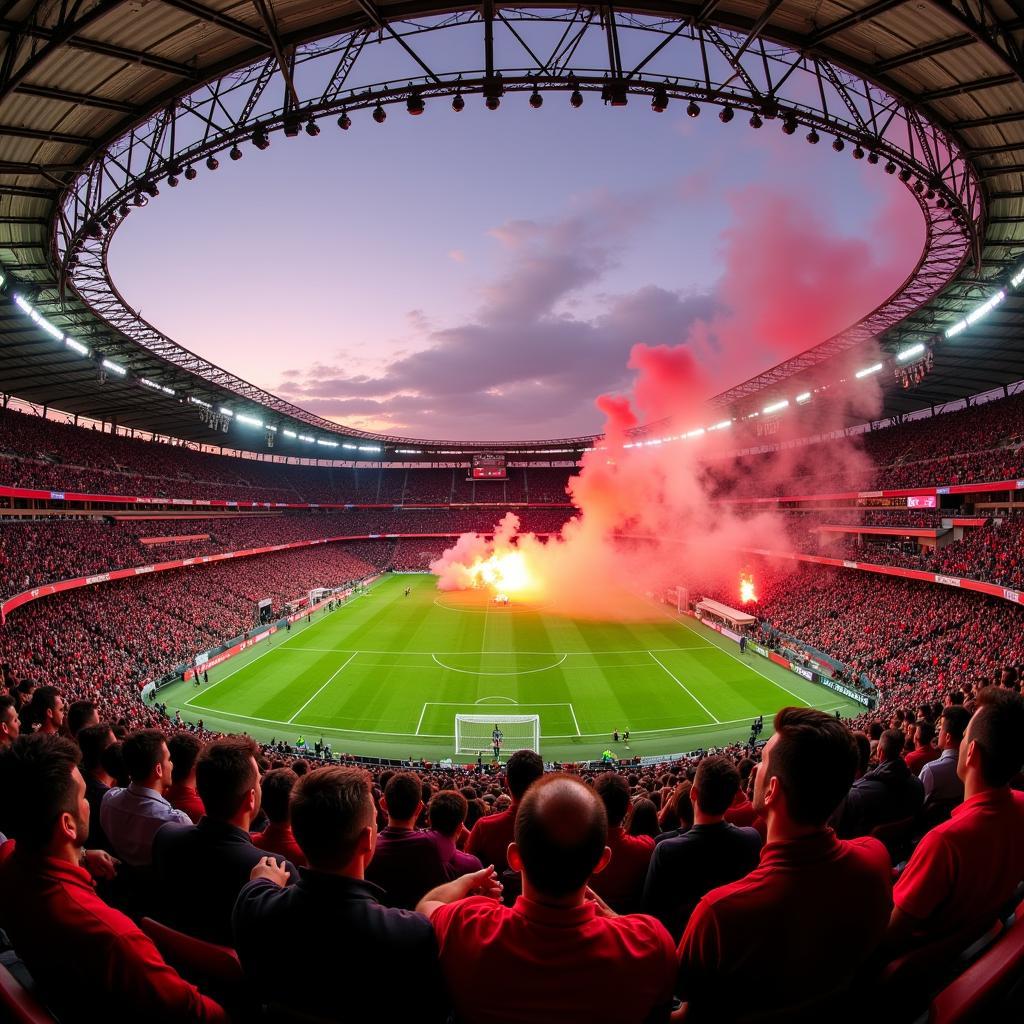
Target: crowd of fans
{"type": "Point", "coordinates": [693, 890]}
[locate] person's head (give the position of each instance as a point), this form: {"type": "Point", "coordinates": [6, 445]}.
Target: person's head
{"type": "Point", "coordinates": [715, 786]}
{"type": "Point", "coordinates": [80, 714]}
{"type": "Point", "coordinates": [992, 751]}
{"type": "Point", "coordinates": [10, 722]}
{"type": "Point", "coordinates": [403, 799]}
{"type": "Point", "coordinates": [334, 819]}
{"type": "Point", "coordinates": [952, 726]}
{"type": "Point", "coordinates": [46, 709]}
{"type": "Point", "coordinates": [44, 806]}
{"type": "Point", "coordinates": [184, 748]}
{"type": "Point", "coordinates": [807, 767]}
{"type": "Point", "coordinates": [613, 789]}
{"type": "Point", "coordinates": [643, 818]}
{"type": "Point", "coordinates": [447, 812]}
{"type": "Point", "coordinates": [523, 769]}
{"type": "Point", "coordinates": [561, 832]}
{"type": "Point", "coordinates": [863, 751]}
{"type": "Point", "coordinates": [924, 733]}
{"type": "Point", "coordinates": [228, 780]}
{"type": "Point", "coordinates": [891, 745]}
{"type": "Point", "coordinates": [92, 741]}
{"type": "Point", "coordinates": [147, 760]}
{"type": "Point", "coordinates": [276, 787]}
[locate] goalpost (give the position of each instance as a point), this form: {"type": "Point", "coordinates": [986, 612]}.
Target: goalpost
{"type": "Point", "coordinates": [475, 733]}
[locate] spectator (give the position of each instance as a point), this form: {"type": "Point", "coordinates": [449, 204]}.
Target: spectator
{"type": "Point", "coordinates": [82, 713]}
{"type": "Point", "coordinates": [676, 816]}
{"type": "Point", "coordinates": [213, 860]}
{"type": "Point", "coordinates": [621, 882]}
{"type": "Point", "coordinates": [89, 960]}
{"type": "Point", "coordinates": [446, 813]}
{"type": "Point", "coordinates": [965, 869]}
{"type": "Point", "coordinates": [10, 723]}
{"type": "Point", "coordinates": [924, 750]}
{"type": "Point", "coordinates": [887, 793]}
{"type": "Point", "coordinates": [643, 818]}
{"type": "Point", "coordinates": [93, 740]}
{"type": "Point", "coordinates": [943, 788]}
{"type": "Point", "coordinates": [185, 748]}
{"type": "Point", "coordinates": [712, 853]}
{"type": "Point", "coordinates": [277, 837]}
{"type": "Point", "coordinates": [131, 817]}
{"type": "Point", "coordinates": [731, 947]}
{"type": "Point", "coordinates": [45, 712]}
{"type": "Point", "coordinates": [491, 835]}
{"type": "Point", "coordinates": [383, 959]}
{"type": "Point", "coordinates": [407, 862]}
{"type": "Point", "coordinates": [567, 956]}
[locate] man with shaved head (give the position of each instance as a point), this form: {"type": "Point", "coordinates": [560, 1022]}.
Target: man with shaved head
{"type": "Point", "coordinates": [571, 958]}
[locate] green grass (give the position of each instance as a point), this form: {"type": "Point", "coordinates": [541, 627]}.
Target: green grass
{"type": "Point", "coordinates": [386, 674]}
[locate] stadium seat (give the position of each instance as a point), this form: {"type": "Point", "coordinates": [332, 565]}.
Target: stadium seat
{"type": "Point", "coordinates": [18, 1004]}
{"type": "Point", "coordinates": [977, 993]}
{"type": "Point", "coordinates": [214, 969]}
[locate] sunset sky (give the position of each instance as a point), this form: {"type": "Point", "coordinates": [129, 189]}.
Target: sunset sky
{"type": "Point", "coordinates": [485, 275]}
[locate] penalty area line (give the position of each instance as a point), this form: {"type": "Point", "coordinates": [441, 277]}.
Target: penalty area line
{"type": "Point", "coordinates": [330, 679]}
{"type": "Point", "coordinates": [682, 686]}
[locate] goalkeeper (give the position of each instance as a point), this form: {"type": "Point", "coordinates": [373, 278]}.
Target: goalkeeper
{"type": "Point", "coordinates": [496, 738]}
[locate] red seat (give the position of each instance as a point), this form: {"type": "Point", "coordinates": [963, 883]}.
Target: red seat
{"type": "Point", "coordinates": [975, 994]}
{"type": "Point", "coordinates": [214, 969]}
{"type": "Point", "coordinates": [19, 1005]}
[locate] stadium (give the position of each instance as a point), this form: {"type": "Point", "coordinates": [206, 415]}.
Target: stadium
{"type": "Point", "coordinates": [552, 546]}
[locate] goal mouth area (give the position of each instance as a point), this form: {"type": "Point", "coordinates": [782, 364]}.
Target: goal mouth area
{"type": "Point", "coordinates": [475, 734]}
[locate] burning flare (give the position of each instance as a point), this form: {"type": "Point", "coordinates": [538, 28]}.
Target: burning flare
{"type": "Point", "coordinates": [747, 593]}
{"type": "Point", "coordinates": [505, 573]}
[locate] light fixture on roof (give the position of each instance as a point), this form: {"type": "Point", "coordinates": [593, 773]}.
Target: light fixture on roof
{"type": "Point", "coordinates": [813, 137]}
{"type": "Point", "coordinates": [260, 138]}
{"type": "Point", "coordinates": [726, 114]}
{"type": "Point", "coordinates": [838, 145]}
{"type": "Point", "coordinates": [191, 173]}
{"type": "Point", "coordinates": [755, 120]}
{"type": "Point", "coordinates": [536, 100]}
{"type": "Point", "coordinates": [380, 115]}
{"type": "Point", "coordinates": [659, 101]}
{"type": "Point", "coordinates": [344, 122]}
{"type": "Point", "coordinates": [235, 153]}
{"type": "Point", "coordinates": [692, 110]}
{"type": "Point", "coordinates": [212, 163]}
{"type": "Point", "coordinates": [789, 124]}
{"type": "Point", "coordinates": [458, 102]}
{"type": "Point", "coordinates": [415, 105]}
{"type": "Point", "coordinates": [576, 99]}
{"type": "Point", "coordinates": [312, 128]}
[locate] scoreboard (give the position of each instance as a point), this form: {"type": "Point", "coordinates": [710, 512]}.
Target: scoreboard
{"type": "Point", "coordinates": [489, 466]}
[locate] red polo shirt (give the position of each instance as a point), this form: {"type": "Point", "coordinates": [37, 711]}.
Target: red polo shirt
{"type": "Point", "coordinates": [964, 869]}
{"type": "Point", "coordinates": [87, 957]}
{"type": "Point", "coordinates": [741, 811]}
{"type": "Point", "coordinates": [278, 838]}
{"type": "Point", "coordinates": [920, 756]}
{"type": "Point", "coordinates": [794, 930]}
{"type": "Point", "coordinates": [552, 965]}
{"type": "Point", "coordinates": [185, 798]}
{"type": "Point", "coordinates": [621, 884]}
{"type": "Point", "coordinates": [490, 838]}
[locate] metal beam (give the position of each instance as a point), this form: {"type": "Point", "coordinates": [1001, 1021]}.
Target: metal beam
{"type": "Point", "coordinates": [852, 19]}
{"type": "Point", "coordinates": [921, 52]}
{"type": "Point", "coordinates": [204, 13]}
{"type": "Point", "coordinates": [961, 88]}
{"type": "Point", "coordinates": [283, 64]}
{"type": "Point", "coordinates": [987, 122]}
{"type": "Point", "coordinates": [77, 98]}
{"type": "Point", "coordinates": [42, 135]}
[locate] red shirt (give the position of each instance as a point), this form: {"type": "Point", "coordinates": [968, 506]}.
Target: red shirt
{"type": "Point", "coordinates": [919, 757]}
{"type": "Point", "coordinates": [185, 798]}
{"type": "Point", "coordinates": [278, 838]}
{"type": "Point", "coordinates": [621, 884]}
{"type": "Point", "coordinates": [490, 838]}
{"type": "Point", "coordinates": [85, 952]}
{"type": "Point", "coordinates": [741, 811]}
{"type": "Point", "coordinates": [795, 929]}
{"type": "Point", "coordinates": [964, 869]}
{"type": "Point", "coordinates": [531, 962]}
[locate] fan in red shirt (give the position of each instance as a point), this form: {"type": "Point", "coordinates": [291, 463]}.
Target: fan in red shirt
{"type": "Point", "coordinates": [491, 835]}
{"type": "Point", "coordinates": [90, 961]}
{"type": "Point", "coordinates": [277, 837]}
{"type": "Point", "coordinates": [621, 883]}
{"type": "Point", "coordinates": [965, 869]}
{"type": "Point", "coordinates": [567, 956]}
{"type": "Point", "coordinates": [184, 749]}
{"type": "Point", "coordinates": [733, 957]}
{"type": "Point", "coordinates": [924, 751]}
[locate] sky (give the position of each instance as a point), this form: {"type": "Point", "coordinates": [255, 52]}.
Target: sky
{"type": "Point", "coordinates": [485, 275]}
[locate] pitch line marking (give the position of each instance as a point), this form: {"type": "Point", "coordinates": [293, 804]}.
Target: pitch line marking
{"type": "Point", "coordinates": [568, 654]}
{"type": "Point", "coordinates": [496, 696]}
{"type": "Point", "coordinates": [524, 672]}
{"type": "Point", "coordinates": [744, 661]}
{"type": "Point", "coordinates": [420, 722]}
{"type": "Point", "coordinates": [574, 722]}
{"type": "Point", "coordinates": [188, 703]}
{"type": "Point", "coordinates": [330, 679]}
{"type": "Point", "coordinates": [683, 687]}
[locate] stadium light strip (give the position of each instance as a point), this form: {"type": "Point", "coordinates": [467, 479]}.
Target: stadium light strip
{"type": "Point", "coordinates": [909, 353]}
{"type": "Point", "coordinates": [867, 371]}
{"type": "Point", "coordinates": [776, 406]}
{"type": "Point", "coordinates": [146, 382]}
{"type": "Point", "coordinates": [249, 420]}
{"type": "Point", "coordinates": [109, 364]}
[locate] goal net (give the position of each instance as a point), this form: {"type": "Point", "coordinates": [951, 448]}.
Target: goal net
{"type": "Point", "coordinates": [476, 733]}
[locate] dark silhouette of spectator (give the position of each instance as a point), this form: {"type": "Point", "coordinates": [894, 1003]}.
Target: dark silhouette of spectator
{"type": "Point", "coordinates": [185, 748]}
{"type": "Point", "coordinates": [924, 749]}
{"type": "Point", "coordinates": [447, 813]}
{"type": "Point", "coordinates": [277, 837]}
{"type": "Point", "coordinates": [888, 792]}
{"type": "Point", "coordinates": [620, 884]}
{"type": "Point", "coordinates": [379, 962]}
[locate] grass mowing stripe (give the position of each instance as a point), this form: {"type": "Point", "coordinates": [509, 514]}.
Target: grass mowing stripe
{"type": "Point", "coordinates": [673, 677]}
{"type": "Point", "coordinates": [330, 679]}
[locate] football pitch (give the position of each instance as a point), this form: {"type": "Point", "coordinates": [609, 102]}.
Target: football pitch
{"type": "Point", "coordinates": [385, 674]}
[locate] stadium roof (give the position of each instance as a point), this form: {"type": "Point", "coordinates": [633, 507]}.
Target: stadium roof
{"type": "Point", "coordinates": [76, 76]}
